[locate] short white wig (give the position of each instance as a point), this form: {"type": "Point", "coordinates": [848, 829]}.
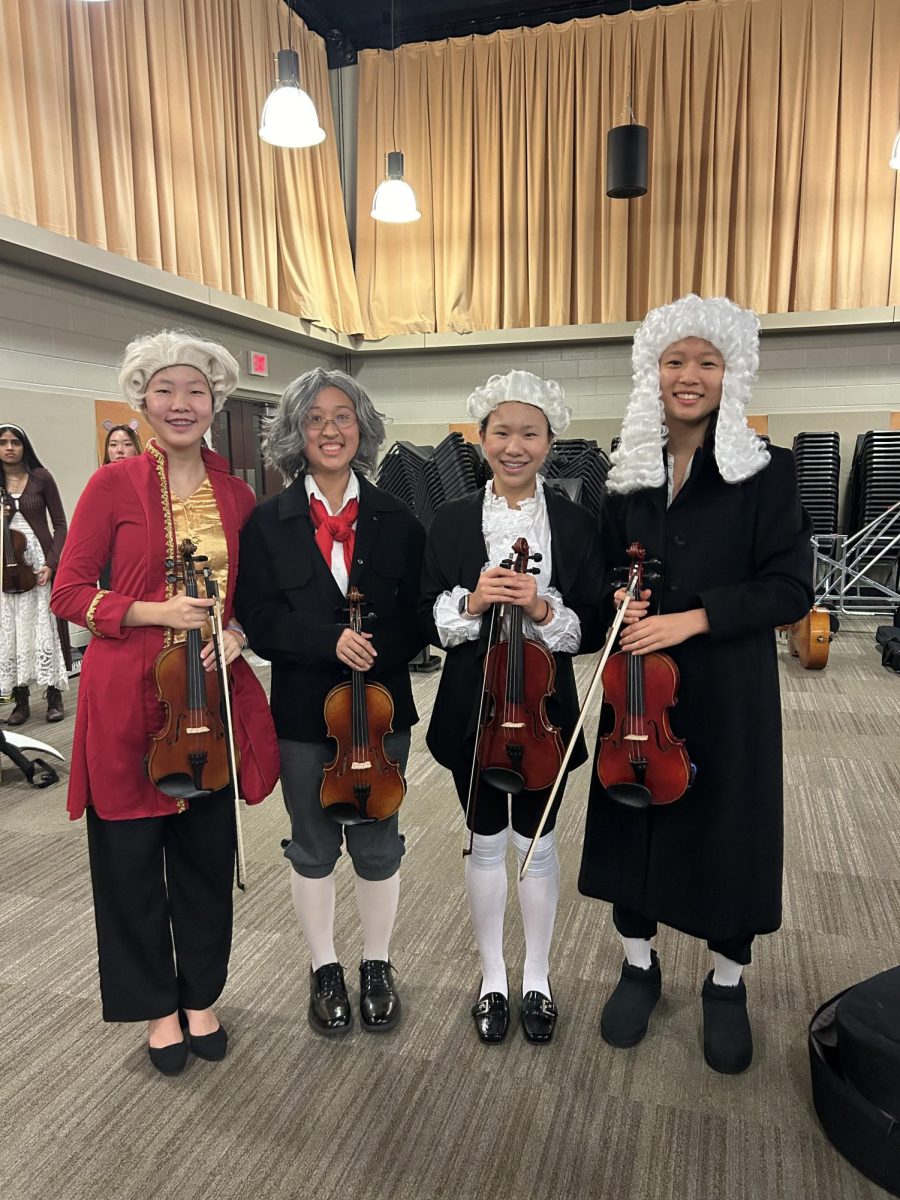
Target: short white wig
{"type": "Point", "coordinates": [176, 348]}
{"type": "Point", "coordinates": [525, 388]}
{"type": "Point", "coordinates": [734, 331]}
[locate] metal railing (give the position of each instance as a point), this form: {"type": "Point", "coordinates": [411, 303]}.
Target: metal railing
{"type": "Point", "coordinates": [860, 572]}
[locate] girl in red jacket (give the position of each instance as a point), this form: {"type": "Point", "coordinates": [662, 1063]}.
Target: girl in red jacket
{"type": "Point", "coordinates": [161, 867]}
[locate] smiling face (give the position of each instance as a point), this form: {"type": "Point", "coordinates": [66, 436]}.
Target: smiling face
{"type": "Point", "coordinates": [516, 440]}
{"type": "Point", "coordinates": [179, 407]}
{"type": "Point", "coordinates": [331, 431]}
{"type": "Point", "coordinates": [120, 446]}
{"type": "Point", "coordinates": [690, 381]}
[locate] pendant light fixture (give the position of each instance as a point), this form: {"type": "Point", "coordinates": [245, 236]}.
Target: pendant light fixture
{"type": "Point", "coordinates": [394, 200]}
{"type": "Point", "coordinates": [289, 117]}
{"type": "Point", "coordinates": [895, 153]}
{"type": "Point", "coordinates": [627, 147]}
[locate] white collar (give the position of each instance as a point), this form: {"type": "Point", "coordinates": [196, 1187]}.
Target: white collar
{"type": "Point", "coordinates": [493, 502]}
{"type": "Point", "coordinates": [351, 492]}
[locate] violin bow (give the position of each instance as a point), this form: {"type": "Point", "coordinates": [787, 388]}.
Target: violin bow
{"type": "Point", "coordinates": [219, 640]}
{"type": "Point", "coordinates": [596, 684]}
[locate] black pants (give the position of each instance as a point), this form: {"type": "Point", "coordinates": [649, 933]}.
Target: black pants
{"type": "Point", "coordinates": [163, 908]}
{"type": "Point", "coordinates": [495, 810]}
{"type": "Point", "coordinates": [634, 925]}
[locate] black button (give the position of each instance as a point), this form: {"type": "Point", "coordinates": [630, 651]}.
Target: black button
{"type": "Point", "coordinates": [673, 587]}
{"type": "Point", "coordinates": [679, 540]}
{"type": "Point", "coordinates": [359, 562]}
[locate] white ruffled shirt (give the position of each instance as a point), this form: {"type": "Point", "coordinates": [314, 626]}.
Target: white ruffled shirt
{"type": "Point", "coordinates": [338, 566]}
{"type": "Point", "coordinates": [501, 526]}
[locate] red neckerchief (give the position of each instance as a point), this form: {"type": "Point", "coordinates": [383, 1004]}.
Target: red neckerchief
{"type": "Point", "coordinates": [338, 528]}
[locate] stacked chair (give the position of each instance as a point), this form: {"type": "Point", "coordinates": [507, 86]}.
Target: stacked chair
{"type": "Point", "coordinates": [400, 471]}
{"type": "Point", "coordinates": [579, 468]}
{"type": "Point", "coordinates": [818, 460]}
{"type": "Point", "coordinates": [874, 477]}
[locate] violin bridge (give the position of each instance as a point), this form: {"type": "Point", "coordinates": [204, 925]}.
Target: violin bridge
{"type": "Point", "coordinates": [197, 729]}
{"type": "Point", "coordinates": [360, 766]}
{"type": "Point", "coordinates": [513, 725]}
{"type": "Point", "coordinates": [636, 737]}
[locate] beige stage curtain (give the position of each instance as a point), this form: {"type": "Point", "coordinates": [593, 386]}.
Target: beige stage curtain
{"type": "Point", "coordinates": [771, 123]}
{"type": "Point", "coordinates": [133, 126]}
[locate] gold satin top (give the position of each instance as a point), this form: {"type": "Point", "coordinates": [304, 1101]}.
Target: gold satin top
{"type": "Point", "coordinates": [198, 518]}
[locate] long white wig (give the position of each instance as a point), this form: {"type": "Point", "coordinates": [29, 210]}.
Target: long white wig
{"type": "Point", "coordinates": [176, 348]}
{"type": "Point", "coordinates": [734, 331]}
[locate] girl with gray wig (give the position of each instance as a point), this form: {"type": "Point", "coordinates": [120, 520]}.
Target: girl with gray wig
{"type": "Point", "coordinates": [285, 438]}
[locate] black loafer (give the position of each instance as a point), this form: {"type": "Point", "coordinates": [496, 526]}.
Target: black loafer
{"type": "Point", "coordinates": [727, 1039]}
{"type": "Point", "coordinates": [626, 1014]}
{"type": "Point", "coordinates": [211, 1046]}
{"type": "Point", "coordinates": [491, 1015]}
{"type": "Point", "coordinates": [539, 1015]}
{"type": "Point", "coordinates": [169, 1060]}
{"type": "Point", "coordinates": [379, 1003]}
{"type": "Point", "coordinates": [329, 1004]}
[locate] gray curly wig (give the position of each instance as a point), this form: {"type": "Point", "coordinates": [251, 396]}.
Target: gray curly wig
{"type": "Point", "coordinates": [734, 331]}
{"type": "Point", "coordinates": [176, 348]}
{"type": "Point", "coordinates": [285, 436]}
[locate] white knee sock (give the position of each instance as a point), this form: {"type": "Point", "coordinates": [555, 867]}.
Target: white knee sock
{"type": "Point", "coordinates": [637, 952]}
{"type": "Point", "coordinates": [727, 972]}
{"type": "Point", "coordinates": [377, 901]}
{"type": "Point", "coordinates": [314, 906]}
{"type": "Point", "coordinates": [486, 887]}
{"type": "Point", "coordinates": [538, 898]}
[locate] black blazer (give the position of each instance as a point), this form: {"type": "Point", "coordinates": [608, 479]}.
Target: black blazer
{"type": "Point", "coordinates": [293, 611]}
{"type": "Point", "coordinates": [455, 554]}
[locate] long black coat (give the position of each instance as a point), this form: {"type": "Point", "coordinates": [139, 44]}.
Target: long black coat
{"type": "Point", "coordinates": [455, 554]}
{"type": "Point", "coordinates": [293, 611]}
{"type": "Point", "coordinates": [711, 863]}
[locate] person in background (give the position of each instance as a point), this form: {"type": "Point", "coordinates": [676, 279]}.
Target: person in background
{"type": "Point", "coordinates": [122, 441]}
{"type": "Point", "coordinates": [33, 648]}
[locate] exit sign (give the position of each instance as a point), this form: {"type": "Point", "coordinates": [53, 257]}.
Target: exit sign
{"type": "Point", "coordinates": [259, 363]}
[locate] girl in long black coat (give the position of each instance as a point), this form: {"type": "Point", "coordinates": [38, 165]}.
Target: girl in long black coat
{"type": "Point", "coordinates": [518, 415]}
{"type": "Point", "coordinates": [722, 514]}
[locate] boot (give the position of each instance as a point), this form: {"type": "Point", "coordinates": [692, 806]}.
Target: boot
{"type": "Point", "coordinates": [22, 711]}
{"type": "Point", "coordinates": [55, 710]}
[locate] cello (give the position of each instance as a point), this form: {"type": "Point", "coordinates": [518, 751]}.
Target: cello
{"type": "Point", "coordinates": [641, 762]}
{"type": "Point", "coordinates": [517, 748]}
{"type": "Point", "coordinates": [362, 783]}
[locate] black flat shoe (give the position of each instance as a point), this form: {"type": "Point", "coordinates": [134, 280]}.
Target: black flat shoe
{"type": "Point", "coordinates": [169, 1060]}
{"type": "Point", "coordinates": [626, 1014]}
{"type": "Point", "coordinates": [491, 1015]}
{"type": "Point", "coordinates": [379, 1004]}
{"type": "Point", "coordinates": [329, 1004]}
{"type": "Point", "coordinates": [538, 1015]}
{"type": "Point", "coordinates": [727, 1039]}
{"type": "Point", "coordinates": [211, 1046]}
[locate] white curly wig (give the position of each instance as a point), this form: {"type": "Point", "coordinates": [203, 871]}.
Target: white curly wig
{"type": "Point", "coordinates": [176, 348]}
{"type": "Point", "coordinates": [734, 331]}
{"type": "Point", "coordinates": [525, 388]}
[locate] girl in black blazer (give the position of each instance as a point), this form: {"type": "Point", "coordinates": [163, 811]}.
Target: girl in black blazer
{"type": "Point", "coordinates": [519, 415]}
{"type": "Point", "coordinates": [329, 530]}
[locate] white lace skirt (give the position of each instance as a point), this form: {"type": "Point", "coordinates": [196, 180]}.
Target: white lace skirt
{"type": "Point", "coordinates": [29, 641]}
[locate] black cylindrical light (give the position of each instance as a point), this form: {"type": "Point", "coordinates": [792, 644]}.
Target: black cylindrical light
{"type": "Point", "coordinates": [627, 156]}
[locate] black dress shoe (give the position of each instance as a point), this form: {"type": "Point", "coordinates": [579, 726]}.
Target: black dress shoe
{"type": "Point", "coordinates": [169, 1060]}
{"type": "Point", "coordinates": [727, 1039]}
{"type": "Point", "coordinates": [329, 1004]}
{"type": "Point", "coordinates": [491, 1015]}
{"type": "Point", "coordinates": [379, 1004]}
{"type": "Point", "coordinates": [538, 1014]}
{"type": "Point", "coordinates": [626, 1014]}
{"type": "Point", "coordinates": [211, 1046]}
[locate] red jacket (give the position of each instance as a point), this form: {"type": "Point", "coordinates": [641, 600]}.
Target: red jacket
{"type": "Point", "coordinates": [124, 516]}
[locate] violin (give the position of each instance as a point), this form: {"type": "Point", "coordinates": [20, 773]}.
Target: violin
{"type": "Point", "coordinates": [518, 747]}
{"type": "Point", "coordinates": [189, 757]}
{"type": "Point", "coordinates": [640, 762]}
{"type": "Point", "coordinates": [362, 783]}
{"type": "Point", "coordinates": [17, 573]}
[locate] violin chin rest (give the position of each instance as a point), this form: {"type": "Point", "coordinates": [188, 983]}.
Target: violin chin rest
{"type": "Point", "coordinates": [631, 795]}
{"type": "Point", "coordinates": [347, 814]}
{"type": "Point", "coordinates": [180, 787]}
{"type": "Point", "coordinates": [503, 780]}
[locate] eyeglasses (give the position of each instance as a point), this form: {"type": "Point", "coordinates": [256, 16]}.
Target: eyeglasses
{"type": "Point", "coordinates": [343, 420]}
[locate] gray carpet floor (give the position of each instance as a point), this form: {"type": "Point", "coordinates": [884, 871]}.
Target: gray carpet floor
{"type": "Point", "coordinates": [427, 1111]}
